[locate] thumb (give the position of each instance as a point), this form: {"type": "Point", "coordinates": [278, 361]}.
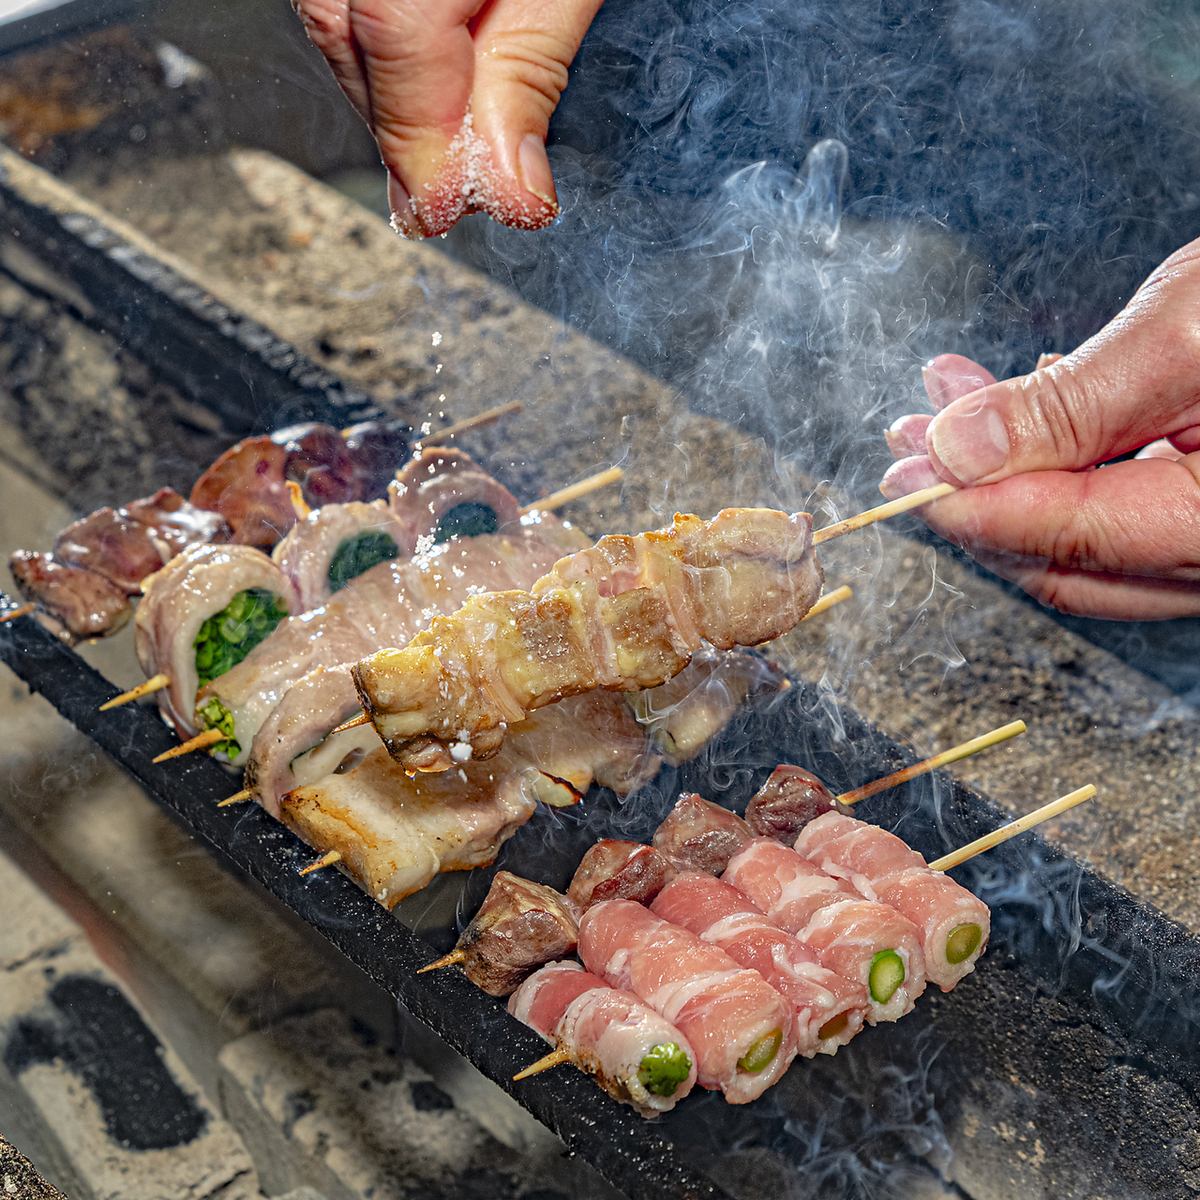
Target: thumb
{"type": "Point", "coordinates": [1134, 381]}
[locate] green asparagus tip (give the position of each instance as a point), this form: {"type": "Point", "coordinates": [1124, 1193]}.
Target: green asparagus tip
{"type": "Point", "coordinates": [886, 975]}
{"type": "Point", "coordinates": [663, 1068]}
{"type": "Point", "coordinates": [468, 519]}
{"type": "Point", "coordinates": [761, 1052]}
{"type": "Point", "coordinates": [834, 1026]}
{"type": "Point", "coordinates": [962, 943]}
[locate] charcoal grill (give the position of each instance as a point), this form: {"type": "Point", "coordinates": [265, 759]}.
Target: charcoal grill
{"type": "Point", "coordinates": [1078, 1034]}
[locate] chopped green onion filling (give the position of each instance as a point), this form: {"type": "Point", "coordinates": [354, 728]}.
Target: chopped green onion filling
{"type": "Point", "coordinates": [468, 519]}
{"type": "Point", "coordinates": [214, 715]}
{"type": "Point", "coordinates": [358, 554]}
{"type": "Point", "coordinates": [228, 636]}
{"type": "Point", "coordinates": [761, 1052]}
{"type": "Point", "coordinates": [886, 975]}
{"type": "Point", "coordinates": [663, 1068]}
{"type": "Point", "coordinates": [962, 943]}
{"type": "Point", "coordinates": [834, 1026]}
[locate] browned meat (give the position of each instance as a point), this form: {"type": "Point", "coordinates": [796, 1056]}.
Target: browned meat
{"type": "Point", "coordinates": [175, 523]}
{"type": "Point", "coordinates": [112, 544]}
{"type": "Point", "coordinates": [520, 926]}
{"type": "Point", "coordinates": [791, 798]}
{"type": "Point", "coordinates": [619, 870]}
{"type": "Point", "coordinates": [377, 449]}
{"type": "Point", "coordinates": [247, 486]}
{"type": "Point", "coordinates": [627, 614]}
{"type": "Point", "coordinates": [82, 603]}
{"type": "Point", "coordinates": [698, 835]}
{"type": "Point", "coordinates": [320, 461]}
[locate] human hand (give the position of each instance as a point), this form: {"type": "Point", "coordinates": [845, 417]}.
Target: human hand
{"type": "Point", "coordinates": [458, 94]}
{"type": "Point", "coordinates": [1120, 541]}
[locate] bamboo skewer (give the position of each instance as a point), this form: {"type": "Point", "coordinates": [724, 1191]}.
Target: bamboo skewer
{"type": "Point", "coordinates": [1013, 829]}
{"type": "Point", "coordinates": [210, 737]}
{"type": "Point", "coordinates": [489, 416]}
{"type": "Point", "coordinates": [22, 610]}
{"type": "Point", "coordinates": [944, 759]}
{"type": "Point", "coordinates": [447, 960]}
{"type": "Point", "coordinates": [148, 687]}
{"type": "Point", "coordinates": [547, 1062]}
{"type": "Point", "coordinates": [828, 601]}
{"type": "Point", "coordinates": [575, 491]}
{"type": "Point", "coordinates": [893, 508]}
{"type": "Point", "coordinates": [326, 860]}
{"type": "Point", "coordinates": [353, 723]}
{"type": "Point", "coordinates": [236, 798]}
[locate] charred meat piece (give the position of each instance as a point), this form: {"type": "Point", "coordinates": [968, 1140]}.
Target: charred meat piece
{"type": "Point", "coordinates": [247, 487]}
{"type": "Point", "coordinates": [625, 615]}
{"type": "Point", "coordinates": [377, 448]}
{"type": "Point", "coordinates": [619, 870]}
{"type": "Point", "coordinates": [174, 523]}
{"type": "Point", "coordinates": [320, 461]}
{"type": "Point", "coordinates": [633, 1054]}
{"type": "Point", "coordinates": [112, 544]}
{"type": "Point", "coordinates": [699, 835]}
{"type": "Point", "coordinates": [81, 603]}
{"type": "Point", "coordinates": [520, 926]}
{"type": "Point", "coordinates": [786, 803]}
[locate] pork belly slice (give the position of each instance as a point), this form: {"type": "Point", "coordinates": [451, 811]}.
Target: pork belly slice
{"type": "Point", "coordinates": [698, 835]}
{"type": "Point", "coordinates": [787, 802]}
{"type": "Point", "coordinates": [954, 924]}
{"type": "Point", "coordinates": [619, 870]}
{"type": "Point", "coordinates": [635, 1055]}
{"type": "Point", "coordinates": [829, 1010]}
{"type": "Point", "coordinates": [76, 603]}
{"type": "Point", "coordinates": [442, 493]}
{"type": "Point", "coordinates": [396, 597]}
{"type": "Point", "coordinates": [861, 940]}
{"type": "Point", "coordinates": [625, 615]}
{"type": "Point", "coordinates": [741, 1029]}
{"type": "Point", "coordinates": [520, 926]}
{"type": "Point", "coordinates": [335, 544]}
{"type": "Point", "coordinates": [395, 831]}
{"type": "Point", "coordinates": [179, 598]}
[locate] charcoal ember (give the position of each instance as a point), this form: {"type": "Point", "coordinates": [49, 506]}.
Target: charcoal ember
{"type": "Point", "coordinates": [789, 799]}
{"type": "Point", "coordinates": [619, 870]}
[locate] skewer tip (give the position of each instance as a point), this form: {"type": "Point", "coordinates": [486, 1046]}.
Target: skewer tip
{"type": "Point", "coordinates": [148, 687]}
{"type": "Point", "coordinates": [353, 723]}
{"type": "Point", "coordinates": [22, 610]}
{"type": "Point", "coordinates": [554, 1059]}
{"type": "Point", "coordinates": [447, 960]}
{"type": "Point", "coordinates": [236, 798]}
{"type": "Point", "coordinates": [326, 860]}
{"type": "Point", "coordinates": [210, 737]}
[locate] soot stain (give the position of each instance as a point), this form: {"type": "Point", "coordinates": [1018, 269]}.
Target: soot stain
{"type": "Point", "coordinates": [99, 1036]}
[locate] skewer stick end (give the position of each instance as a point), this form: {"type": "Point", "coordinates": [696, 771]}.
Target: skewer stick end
{"type": "Point", "coordinates": [554, 1059]}
{"type": "Point", "coordinates": [447, 960]}
{"type": "Point", "coordinates": [893, 508]}
{"type": "Point", "coordinates": [236, 798]}
{"type": "Point", "coordinates": [148, 687]}
{"type": "Point", "coordinates": [353, 723]}
{"type": "Point", "coordinates": [22, 610]}
{"type": "Point", "coordinates": [210, 737]}
{"type": "Point", "coordinates": [326, 860]}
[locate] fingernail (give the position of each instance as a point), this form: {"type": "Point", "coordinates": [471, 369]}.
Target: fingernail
{"type": "Point", "coordinates": [909, 475]}
{"type": "Point", "coordinates": [534, 168]}
{"type": "Point", "coordinates": [969, 445]}
{"type": "Point", "coordinates": [950, 376]}
{"type": "Point", "coordinates": [906, 435]}
{"type": "Point", "coordinates": [404, 218]}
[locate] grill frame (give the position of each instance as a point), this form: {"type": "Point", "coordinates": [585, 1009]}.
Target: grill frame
{"type": "Point", "coordinates": [1154, 1011]}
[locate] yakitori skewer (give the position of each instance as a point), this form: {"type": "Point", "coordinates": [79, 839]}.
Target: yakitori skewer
{"type": "Point", "coordinates": [926, 765]}
{"type": "Point", "coordinates": [489, 416]}
{"type": "Point", "coordinates": [22, 610]}
{"type": "Point", "coordinates": [882, 512]}
{"type": "Point", "coordinates": [1013, 829]}
{"type": "Point", "coordinates": [554, 500]}
{"type": "Point", "coordinates": [824, 604]}
{"type": "Point", "coordinates": [202, 741]}
{"type": "Point", "coordinates": [326, 860]}
{"type": "Point", "coordinates": [236, 798]}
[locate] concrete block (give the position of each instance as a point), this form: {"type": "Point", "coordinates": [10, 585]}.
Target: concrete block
{"type": "Point", "coordinates": [315, 1096]}
{"type": "Point", "coordinates": [115, 1112]}
{"type": "Point", "coordinates": [19, 1179]}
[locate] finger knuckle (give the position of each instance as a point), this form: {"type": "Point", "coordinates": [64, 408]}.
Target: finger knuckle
{"type": "Point", "coordinates": [532, 59]}
{"type": "Point", "coordinates": [1063, 414]}
{"type": "Point", "coordinates": [327, 22]}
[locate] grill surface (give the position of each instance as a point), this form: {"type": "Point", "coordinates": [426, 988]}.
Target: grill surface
{"type": "Point", "coordinates": [1083, 1019]}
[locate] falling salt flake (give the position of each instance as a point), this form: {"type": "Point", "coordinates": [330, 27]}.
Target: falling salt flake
{"type": "Point", "coordinates": [437, 337]}
{"type": "Point", "coordinates": [438, 369]}
{"type": "Point", "coordinates": [461, 752]}
{"type": "Point", "coordinates": [426, 430]}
